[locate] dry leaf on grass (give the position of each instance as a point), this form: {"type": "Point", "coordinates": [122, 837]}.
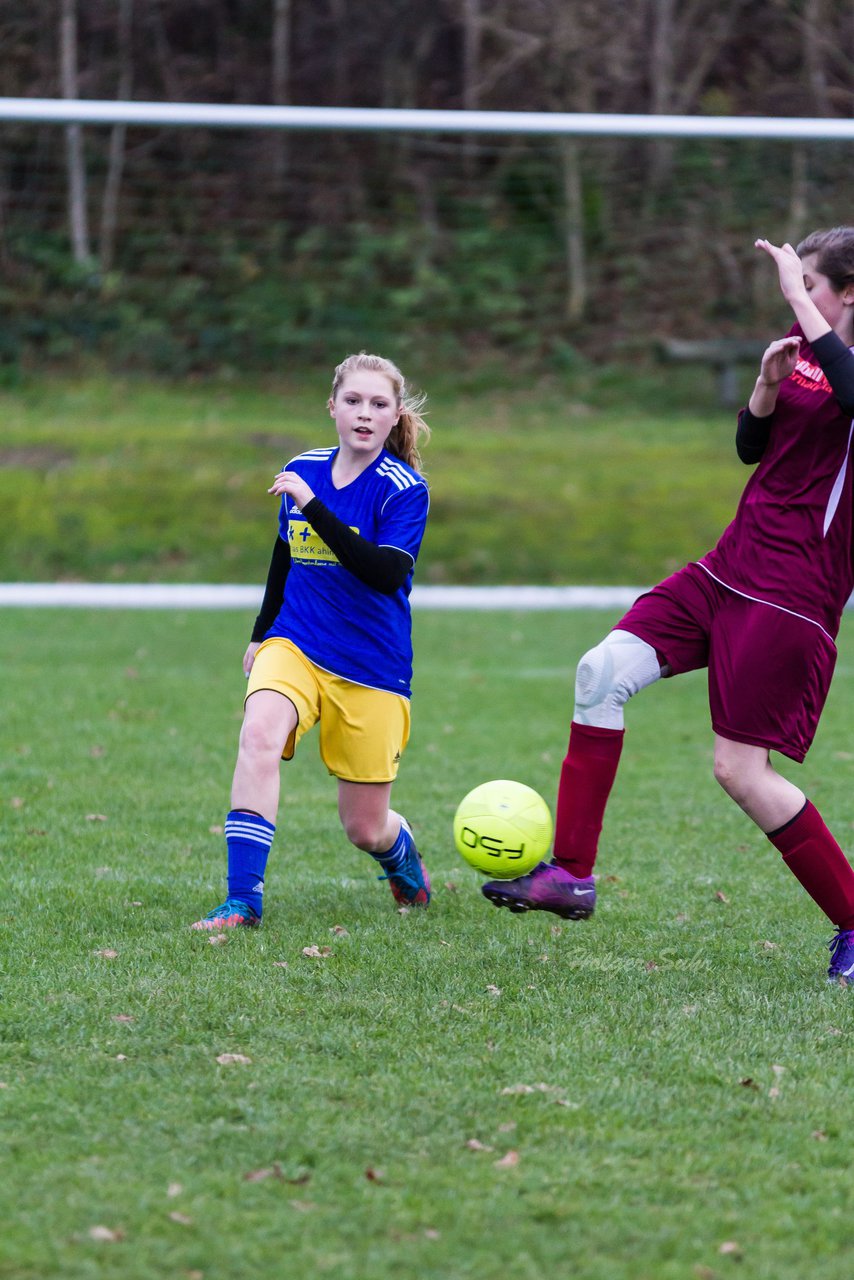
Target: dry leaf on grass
{"type": "Point", "coordinates": [474, 1144]}
{"type": "Point", "coordinates": [731, 1248]}
{"type": "Point", "coordinates": [261, 1175]}
{"type": "Point", "coordinates": [180, 1218]}
{"type": "Point", "coordinates": [174, 1189]}
{"type": "Point", "coordinates": [107, 953]}
{"type": "Point", "coordinates": [340, 931]}
{"type": "Point", "coordinates": [507, 1162]}
{"type": "Point", "coordinates": [107, 1234]}
{"type": "Point", "coordinates": [374, 1175]}
{"type": "Point", "coordinates": [218, 940]}
{"type": "Point", "coordinates": [493, 990]}
{"type": "Point", "coordinates": [316, 952]}
{"type": "Point", "coordinates": [721, 897]}
{"type": "Point", "coordinates": [530, 1088]}
{"type": "Point", "coordinates": [96, 817]}
{"type": "Point", "coordinates": [123, 1017]}
{"type": "Point", "coordinates": [280, 964]}
{"type": "Point", "coordinates": [232, 1059]}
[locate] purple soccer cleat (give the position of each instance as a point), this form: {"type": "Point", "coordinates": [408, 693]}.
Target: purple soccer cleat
{"type": "Point", "coordinates": [547, 888]}
{"type": "Point", "coordinates": [841, 957]}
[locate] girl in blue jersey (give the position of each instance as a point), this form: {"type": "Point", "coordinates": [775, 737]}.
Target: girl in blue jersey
{"type": "Point", "coordinates": [332, 643]}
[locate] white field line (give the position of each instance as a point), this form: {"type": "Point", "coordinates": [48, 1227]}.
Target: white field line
{"type": "Point", "coordinates": [103, 595]}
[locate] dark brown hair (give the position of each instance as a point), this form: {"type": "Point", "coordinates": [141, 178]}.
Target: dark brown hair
{"type": "Point", "coordinates": [834, 250]}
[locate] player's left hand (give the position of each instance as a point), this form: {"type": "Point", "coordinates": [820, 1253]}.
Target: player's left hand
{"type": "Point", "coordinates": [292, 484]}
{"type": "Point", "coordinates": [789, 268]}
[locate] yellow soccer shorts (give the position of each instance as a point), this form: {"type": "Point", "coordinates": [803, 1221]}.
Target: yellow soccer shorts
{"type": "Point", "coordinates": [363, 732]}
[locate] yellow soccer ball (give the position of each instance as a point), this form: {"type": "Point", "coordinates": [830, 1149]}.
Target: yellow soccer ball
{"type": "Point", "coordinates": [503, 829]}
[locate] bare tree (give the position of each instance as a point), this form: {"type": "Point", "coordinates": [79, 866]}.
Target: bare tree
{"type": "Point", "coordinates": [76, 168]}
{"type": "Point", "coordinates": [280, 85]}
{"type": "Point", "coordinates": [686, 41]}
{"type": "Point", "coordinates": [115, 164]}
{"type": "Point", "coordinates": [472, 33]}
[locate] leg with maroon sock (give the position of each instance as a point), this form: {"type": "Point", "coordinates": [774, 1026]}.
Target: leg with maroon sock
{"type": "Point", "coordinates": [812, 854]}
{"type": "Point", "coordinates": [607, 677]}
{"type": "Point", "coordinates": [793, 825]}
{"type": "Point", "coordinates": [586, 777]}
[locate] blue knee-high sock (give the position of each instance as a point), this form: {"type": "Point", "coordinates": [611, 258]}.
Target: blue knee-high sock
{"type": "Point", "coordinates": [394, 858]}
{"type": "Point", "coordinates": [248, 837]}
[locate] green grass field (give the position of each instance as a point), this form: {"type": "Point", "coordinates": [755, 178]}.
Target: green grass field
{"type": "Point", "coordinates": [662, 1093]}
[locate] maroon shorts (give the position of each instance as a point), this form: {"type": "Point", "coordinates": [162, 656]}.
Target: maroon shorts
{"type": "Point", "coordinates": [769, 670]}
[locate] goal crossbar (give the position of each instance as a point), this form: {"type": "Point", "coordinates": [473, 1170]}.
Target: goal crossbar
{"type": "Point", "coordinates": [592, 124]}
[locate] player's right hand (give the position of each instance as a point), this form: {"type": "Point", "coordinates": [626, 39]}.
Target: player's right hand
{"type": "Point", "coordinates": [249, 656]}
{"type": "Point", "coordinates": [779, 360]}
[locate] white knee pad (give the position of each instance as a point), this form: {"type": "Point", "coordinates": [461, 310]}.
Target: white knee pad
{"type": "Point", "coordinates": [609, 675]}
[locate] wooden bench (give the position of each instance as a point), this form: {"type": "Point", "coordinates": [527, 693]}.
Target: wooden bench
{"type": "Point", "coordinates": [724, 355]}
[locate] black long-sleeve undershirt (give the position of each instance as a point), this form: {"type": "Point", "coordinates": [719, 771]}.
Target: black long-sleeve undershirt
{"type": "Point", "coordinates": [752, 435]}
{"type": "Point", "coordinates": [385, 569]}
{"type": "Point", "coordinates": [837, 363]}
{"type": "Point", "coordinates": [274, 591]}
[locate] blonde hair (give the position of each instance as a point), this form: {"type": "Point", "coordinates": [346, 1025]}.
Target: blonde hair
{"type": "Point", "coordinates": [411, 428]}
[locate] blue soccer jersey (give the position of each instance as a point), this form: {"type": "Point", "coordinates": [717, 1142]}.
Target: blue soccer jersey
{"type": "Point", "coordinates": [337, 621]}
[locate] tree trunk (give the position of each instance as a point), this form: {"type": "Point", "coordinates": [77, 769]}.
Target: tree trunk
{"type": "Point", "coordinates": [77, 216]}
{"type": "Point", "coordinates": [576, 263]}
{"type": "Point", "coordinates": [798, 194]}
{"type": "Point", "coordinates": [471, 77]}
{"type": "Point", "coordinates": [115, 165]}
{"type": "Point", "coordinates": [815, 27]}
{"type": "Point", "coordinates": [281, 78]}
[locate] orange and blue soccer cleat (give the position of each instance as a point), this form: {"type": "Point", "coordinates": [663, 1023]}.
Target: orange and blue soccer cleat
{"type": "Point", "coordinates": [409, 881]}
{"type": "Point", "coordinates": [231, 914]}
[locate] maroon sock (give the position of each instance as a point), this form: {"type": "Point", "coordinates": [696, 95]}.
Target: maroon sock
{"type": "Point", "coordinates": [812, 854]}
{"type": "Point", "coordinates": [586, 778]}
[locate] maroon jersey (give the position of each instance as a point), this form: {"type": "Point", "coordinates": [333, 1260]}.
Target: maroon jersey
{"type": "Point", "coordinates": [790, 543]}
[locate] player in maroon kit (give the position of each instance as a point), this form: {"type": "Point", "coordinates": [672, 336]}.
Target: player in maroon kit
{"type": "Point", "coordinates": [761, 611]}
